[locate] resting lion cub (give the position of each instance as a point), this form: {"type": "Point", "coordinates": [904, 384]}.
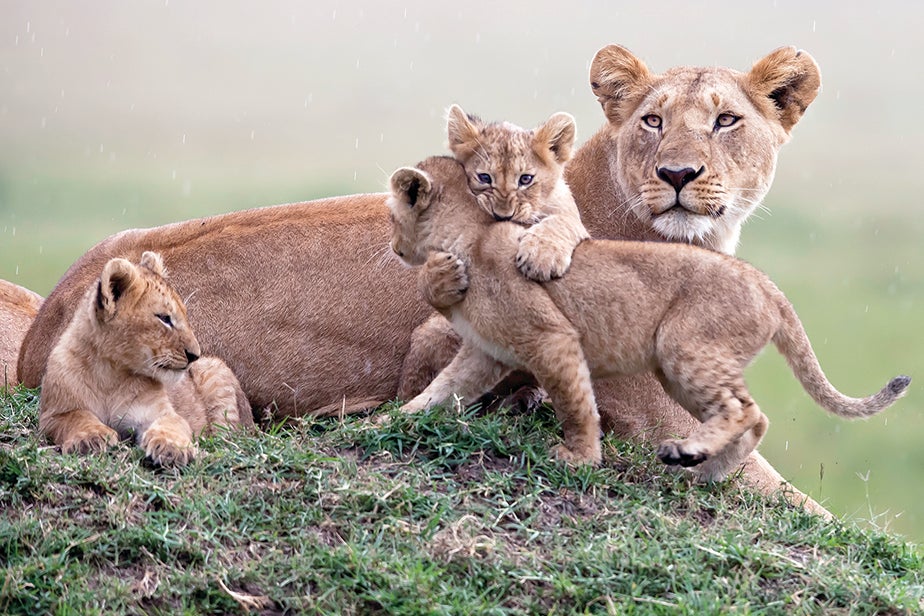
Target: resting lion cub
{"type": "Point", "coordinates": [125, 365]}
{"type": "Point", "coordinates": [695, 318]}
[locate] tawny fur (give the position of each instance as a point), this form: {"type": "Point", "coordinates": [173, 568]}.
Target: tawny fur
{"type": "Point", "coordinates": [696, 318]}
{"type": "Point", "coordinates": [128, 364]}
{"type": "Point", "coordinates": [301, 301]}
{"type": "Point", "coordinates": [18, 307]}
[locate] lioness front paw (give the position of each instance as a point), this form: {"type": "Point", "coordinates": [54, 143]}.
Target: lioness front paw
{"type": "Point", "coordinates": [443, 280]}
{"type": "Point", "coordinates": [682, 452]}
{"type": "Point", "coordinates": [167, 448]}
{"type": "Point", "coordinates": [564, 454]}
{"type": "Point", "coordinates": [540, 259]}
{"type": "Point", "coordinates": [93, 439]}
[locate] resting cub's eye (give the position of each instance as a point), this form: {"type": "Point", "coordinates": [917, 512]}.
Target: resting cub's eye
{"type": "Point", "coordinates": [526, 179]}
{"type": "Point", "coordinates": [165, 319]}
{"type": "Point", "coordinates": [484, 178]}
{"type": "Point", "coordinates": [652, 121]}
{"type": "Point", "coordinates": [725, 120]}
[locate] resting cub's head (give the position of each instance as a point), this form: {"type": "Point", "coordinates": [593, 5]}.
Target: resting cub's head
{"type": "Point", "coordinates": [140, 321]}
{"type": "Point", "coordinates": [510, 169]}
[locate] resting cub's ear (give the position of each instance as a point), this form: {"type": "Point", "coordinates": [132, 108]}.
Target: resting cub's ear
{"type": "Point", "coordinates": [464, 132]}
{"type": "Point", "coordinates": [118, 277]}
{"type": "Point", "coordinates": [619, 81]}
{"type": "Point", "coordinates": [411, 187]}
{"type": "Point", "coordinates": [556, 136]}
{"type": "Point", "coordinates": [783, 84]}
{"type": "Point", "coordinates": [153, 262]}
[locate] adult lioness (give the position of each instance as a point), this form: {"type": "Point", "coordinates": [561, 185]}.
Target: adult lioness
{"type": "Point", "coordinates": [695, 317]}
{"type": "Point", "coordinates": [18, 307]}
{"type": "Point", "coordinates": [301, 303]}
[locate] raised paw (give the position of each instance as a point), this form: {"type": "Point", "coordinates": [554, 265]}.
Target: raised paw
{"type": "Point", "coordinates": [443, 280]}
{"type": "Point", "coordinates": [681, 452]}
{"type": "Point", "coordinates": [540, 259]}
{"type": "Point", "coordinates": [90, 440]}
{"type": "Point", "coordinates": [167, 448]}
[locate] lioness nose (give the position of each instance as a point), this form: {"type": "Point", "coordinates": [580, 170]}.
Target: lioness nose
{"type": "Point", "coordinates": [678, 178]}
{"type": "Point", "coordinates": [190, 356]}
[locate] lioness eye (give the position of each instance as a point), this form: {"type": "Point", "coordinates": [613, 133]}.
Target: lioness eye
{"type": "Point", "coordinates": [726, 119]}
{"type": "Point", "coordinates": [484, 178]}
{"type": "Point", "coordinates": [652, 120]}
{"type": "Point", "coordinates": [165, 319]}
{"type": "Point", "coordinates": [526, 179]}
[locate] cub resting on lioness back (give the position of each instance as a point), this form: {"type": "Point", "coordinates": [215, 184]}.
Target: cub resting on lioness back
{"type": "Point", "coordinates": [125, 365]}
{"type": "Point", "coordinates": [624, 307]}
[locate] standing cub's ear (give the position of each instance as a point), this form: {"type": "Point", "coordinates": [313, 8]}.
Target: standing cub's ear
{"type": "Point", "coordinates": [153, 262]}
{"type": "Point", "coordinates": [783, 84]}
{"type": "Point", "coordinates": [412, 187]}
{"type": "Point", "coordinates": [619, 81]}
{"type": "Point", "coordinates": [118, 277]}
{"type": "Point", "coordinates": [464, 132]}
{"type": "Point", "coordinates": [556, 136]}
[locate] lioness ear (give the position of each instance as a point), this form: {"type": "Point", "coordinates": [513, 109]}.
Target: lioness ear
{"type": "Point", "coordinates": [618, 80]}
{"type": "Point", "coordinates": [153, 262]}
{"type": "Point", "coordinates": [118, 276]}
{"type": "Point", "coordinates": [783, 84]}
{"type": "Point", "coordinates": [557, 136]}
{"type": "Point", "coordinates": [411, 187]}
{"type": "Point", "coordinates": [464, 131]}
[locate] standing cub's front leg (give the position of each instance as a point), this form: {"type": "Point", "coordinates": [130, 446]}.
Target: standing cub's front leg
{"type": "Point", "coordinates": [443, 280]}
{"type": "Point", "coordinates": [545, 249]}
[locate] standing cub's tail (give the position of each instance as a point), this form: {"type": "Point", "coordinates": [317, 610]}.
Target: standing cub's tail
{"type": "Point", "coordinates": [793, 343]}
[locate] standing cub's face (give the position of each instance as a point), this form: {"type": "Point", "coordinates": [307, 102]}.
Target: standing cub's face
{"type": "Point", "coordinates": [141, 320]}
{"type": "Point", "coordinates": [510, 169]}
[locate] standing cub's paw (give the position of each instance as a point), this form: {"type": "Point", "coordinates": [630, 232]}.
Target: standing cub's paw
{"type": "Point", "coordinates": [91, 440]}
{"type": "Point", "coordinates": [541, 258]}
{"type": "Point", "coordinates": [168, 448]}
{"type": "Point", "coordinates": [564, 454]}
{"type": "Point", "coordinates": [443, 280]}
{"type": "Point", "coordinates": [673, 451]}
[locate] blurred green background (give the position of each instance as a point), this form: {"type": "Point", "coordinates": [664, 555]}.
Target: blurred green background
{"type": "Point", "coordinates": [117, 114]}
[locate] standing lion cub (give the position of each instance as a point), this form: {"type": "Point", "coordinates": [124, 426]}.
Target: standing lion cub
{"type": "Point", "coordinates": [694, 317]}
{"type": "Point", "coordinates": [125, 365]}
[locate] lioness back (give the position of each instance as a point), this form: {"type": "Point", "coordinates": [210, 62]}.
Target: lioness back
{"type": "Point", "coordinates": [123, 367]}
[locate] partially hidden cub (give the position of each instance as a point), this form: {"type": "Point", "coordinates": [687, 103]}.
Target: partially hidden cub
{"type": "Point", "coordinates": [129, 363]}
{"type": "Point", "coordinates": [694, 317]}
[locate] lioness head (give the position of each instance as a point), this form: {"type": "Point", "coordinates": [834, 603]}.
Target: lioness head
{"type": "Point", "coordinates": [696, 147]}
{"type": "Point", "coordinates": [141, 320]}
{"type": "Point", "coordinates": [511, 169]}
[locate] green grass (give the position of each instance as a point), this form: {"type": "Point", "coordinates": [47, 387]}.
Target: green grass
{"type": "Point", "coordinates": [451, 512]}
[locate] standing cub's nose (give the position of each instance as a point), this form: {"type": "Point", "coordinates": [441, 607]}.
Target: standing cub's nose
{"type": "Point", "coordinates": [678, 178]}
{"type": "Point", "coordinates": [191, 357]}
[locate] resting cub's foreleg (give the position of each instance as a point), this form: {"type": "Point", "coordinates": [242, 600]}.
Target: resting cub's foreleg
{"type": "Point", "coordinates": [167, 441]}
{"type": "Point", "coordinates": [78, 431]}
{"type": "Point", "coordinates": [470, 374]}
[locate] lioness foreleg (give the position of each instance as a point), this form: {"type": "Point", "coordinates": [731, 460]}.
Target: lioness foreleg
{"type": "Point", "coordinates": [471, 373]}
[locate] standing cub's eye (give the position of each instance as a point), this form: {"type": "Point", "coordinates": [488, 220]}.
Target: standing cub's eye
{"type": "Point", "coordinates": [652, 121]}
{"type": "Point", "coordinates": [484, 178]}
{"type": "Point", "coordinates": [526, 179]}
{"type": "Point", "coordinates": [165, 319]}
{"type": "Point", "coordinates": [725, 120]}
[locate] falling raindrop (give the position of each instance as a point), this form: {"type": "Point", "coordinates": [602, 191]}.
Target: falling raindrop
{"type": "Point", "coordinates": [184, 138]}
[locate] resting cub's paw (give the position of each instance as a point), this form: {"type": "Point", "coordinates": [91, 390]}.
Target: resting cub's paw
{"type": "Point", "coordinates": [91, 440]}
{"type": "Point", "coordinates": [562, 453]}
{"type": "Point", "coordinates": [540, 259]}
{"type": "Point", "coordinates": [443, 280]}
{"type": "Point", "coordinates": [168, 448]}
{"type": "Point", "coordinates": [681, 452]}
